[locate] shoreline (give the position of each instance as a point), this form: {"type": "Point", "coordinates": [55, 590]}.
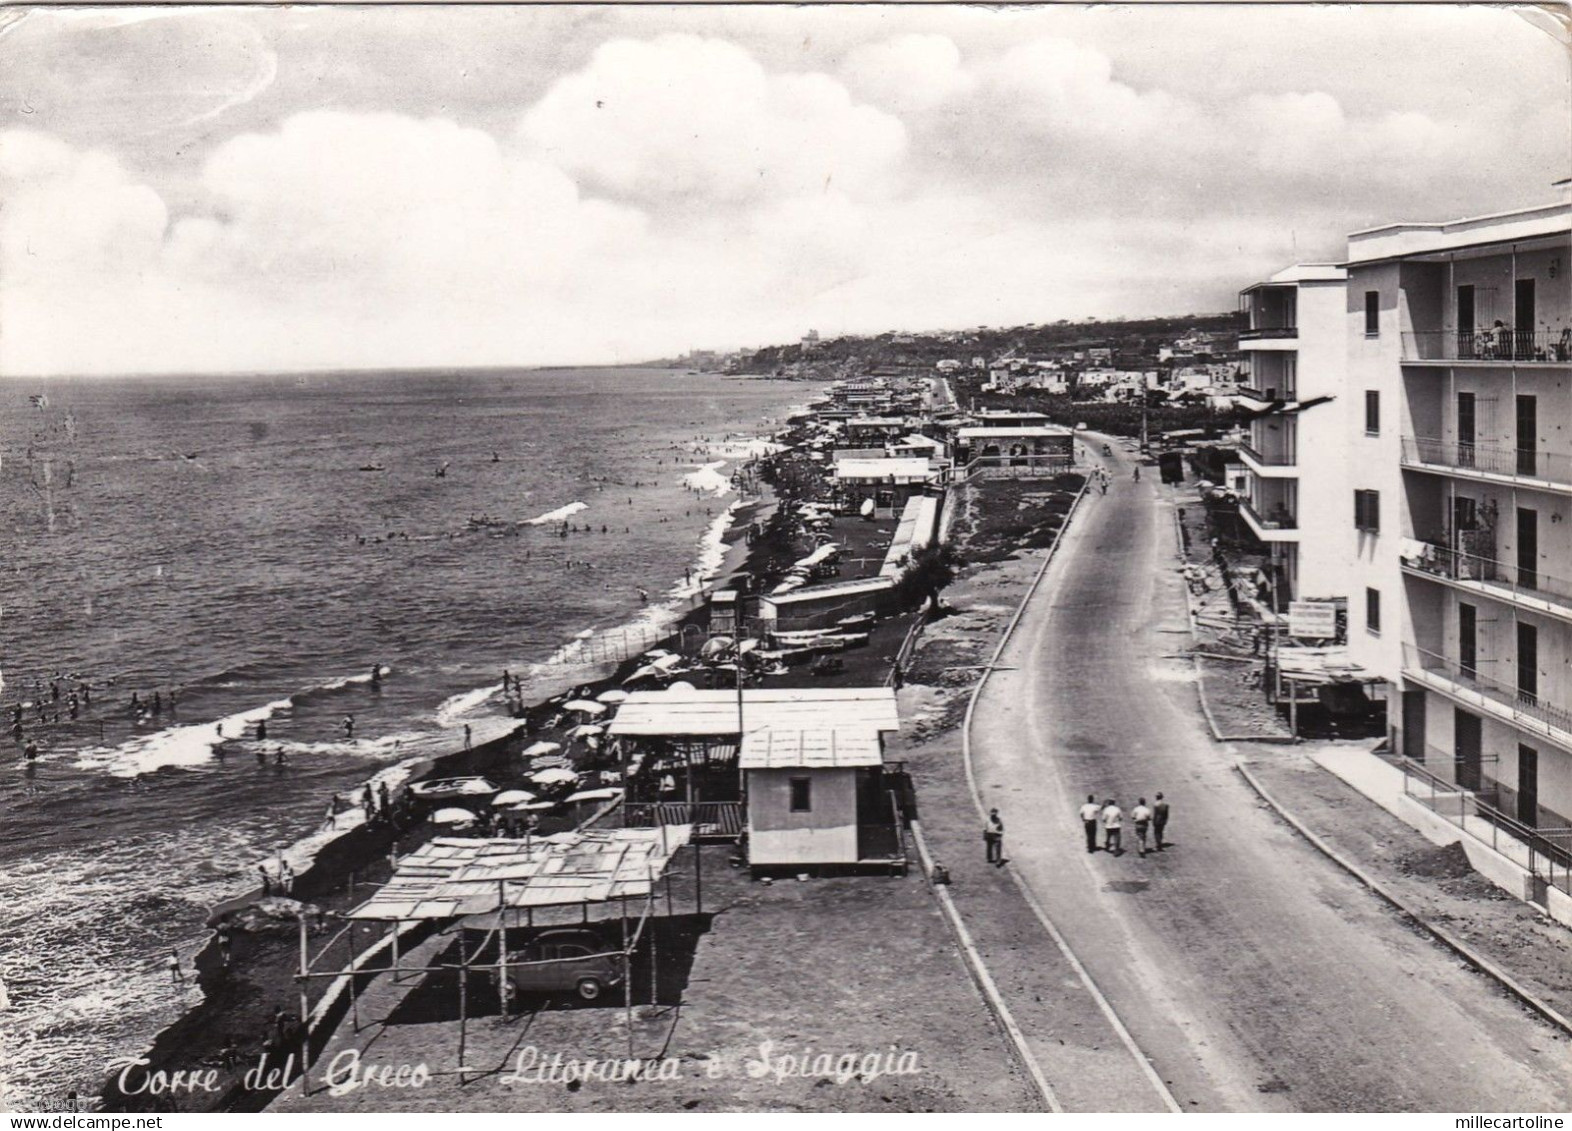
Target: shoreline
{"type": "Point", "coordinates": [359, 856]}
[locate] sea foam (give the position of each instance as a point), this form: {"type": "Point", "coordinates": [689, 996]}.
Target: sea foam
{"type": "Point", "coordinates": [558, 515]}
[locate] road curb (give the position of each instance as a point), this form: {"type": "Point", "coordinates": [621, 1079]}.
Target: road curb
{"type": "Point", "coordinates": [984, 980]}
{"type": "Point", "coordinates": [1103, 1005]}
{"type": "Point", "coordinates": [1442, 936]}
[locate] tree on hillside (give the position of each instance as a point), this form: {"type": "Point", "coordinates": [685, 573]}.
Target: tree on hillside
{"type": "Point", "coordinates": [931, 570]}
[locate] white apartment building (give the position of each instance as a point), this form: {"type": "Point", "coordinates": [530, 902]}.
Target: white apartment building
{"type": "Point", "coordinates": [1295, 352]}
{"type": "Point", "coordinates": [1453, 537]}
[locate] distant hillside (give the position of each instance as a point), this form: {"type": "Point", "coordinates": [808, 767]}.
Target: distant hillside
{"type": "Point", "coordinates": [1134, 343]}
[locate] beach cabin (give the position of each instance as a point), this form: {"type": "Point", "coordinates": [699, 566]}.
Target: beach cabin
{"type": "Point", "coordinates": [874, 431]}
{"type": "Point", "coordinates": [820, 606]}
{"type": "Point", "coordinates": [724, 612]}
{"type": "Point", "coordinates": [817, 797]}
{"type": "Point", "coordinates": [688, 739]}
{"type": "Point", "coordinates": [888, 482]}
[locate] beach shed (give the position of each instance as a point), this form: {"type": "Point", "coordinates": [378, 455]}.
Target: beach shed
{"type": "Point", "coordinates": [820, 606]}
{"type": "Point", "coordinates": [816, 797]}
{"type": "Point", "coordinates": [888, 482]}
{"type": "Point", "coordinates": [698, 733]}
{"type": "Point", "coordinates": [723, 612]}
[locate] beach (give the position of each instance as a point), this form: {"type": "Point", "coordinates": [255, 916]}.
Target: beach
{"type": "Point", "coordinates": [144, 828]}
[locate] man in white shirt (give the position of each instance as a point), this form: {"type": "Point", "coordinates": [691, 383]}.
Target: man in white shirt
{"type": "Point", "coordinates": [1089, 814]}
{"type": "Point", "coordinates": [1113, 827]}
{"type": "Point", "coordinates": [1142, 816]}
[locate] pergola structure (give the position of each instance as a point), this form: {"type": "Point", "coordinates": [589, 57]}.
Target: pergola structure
{"type": "Point", "coordinates": [498, 885]}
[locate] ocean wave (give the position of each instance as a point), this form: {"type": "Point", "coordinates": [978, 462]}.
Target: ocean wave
{"type": "Point", "coordinates": [193, 744]}
{"type": "Point", "coordinates": [557, 515]}
{"type": "Point", "coordinates": [187, 745]}
{"type": "Point", "coordinates": [453, 709]}
{"type": "Point", "coordinates": [708, 477]}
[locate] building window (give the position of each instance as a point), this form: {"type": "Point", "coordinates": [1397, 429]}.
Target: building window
{"type": "Point", "coordinates": [1373, 610]}
{"type": "Point", "coordinates": [1367, 511]}
{"type": "Point", "coordinates": [802, 795]}
{"type": "Point", "coordinates": [1372, 412]}
{"type": "Point", "coordinates": [1372, 313]}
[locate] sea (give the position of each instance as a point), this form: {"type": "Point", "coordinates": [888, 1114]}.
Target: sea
{"type": "Point", "coordinates": [247, 548]}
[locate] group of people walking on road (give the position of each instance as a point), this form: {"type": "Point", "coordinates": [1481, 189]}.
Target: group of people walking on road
{"type": "Point", "coordinates": [1105, 819]}
{"type": "Point", "coordinates": [1109, 819]}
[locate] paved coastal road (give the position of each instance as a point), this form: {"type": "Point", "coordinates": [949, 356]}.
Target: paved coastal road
{"type": "Point", "coordinates": [1252, 973]}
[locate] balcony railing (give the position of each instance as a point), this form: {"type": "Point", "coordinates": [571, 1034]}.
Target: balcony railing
{"type": "Point", "coordinates": [1504, 344]}
{"type": "Point", "coordinates": [1483, 813]}
{"type": "Point", "coordinates": [1274, 459]}
{"type": "Point", "coordinates": [1278, 517]}
{"type": "Point", "coordinates": [1489, 459]}
{"type": "Point", "coordinates": [1509, 581]}
{"type": "Point", "coordinates": [1523, 706]}
{"type": "Point", "coordinates": [1256, 333]}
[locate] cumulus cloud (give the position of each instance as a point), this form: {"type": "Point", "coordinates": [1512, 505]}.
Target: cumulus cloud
{"type": "Point", "coordinates": [680, 189]}
{"type": "Point", "coordinates": [686, 119]}
{"type": "Point", "coordinates": [908, 72]}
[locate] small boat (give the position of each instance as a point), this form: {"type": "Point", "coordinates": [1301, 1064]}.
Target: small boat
{"type": "Point", "coordinates": [442, 789]}
{"type": "Point", "coordinates": [372, 467]}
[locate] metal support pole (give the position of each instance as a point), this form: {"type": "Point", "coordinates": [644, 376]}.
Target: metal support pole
{"type": "Point", "coordinates": [503, 988]}
{"type": "Point", "coordinates": [1293, 707]}
{"type": "Point", "coordinates": [397, 925]}
{"type": "Point", "coordinates": [354, 993]}
{"type": "Point", "coordinates": [463, 1002]}
{"type": "Point", "coordinates": [305, 1009]}
{"type": "Point", "coordinates": [698, 879]}
{"type": "Point", "coordinates": [627, 979]}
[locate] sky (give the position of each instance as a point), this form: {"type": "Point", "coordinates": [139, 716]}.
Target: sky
{"type": "Point", "coordinates": [236, 189]}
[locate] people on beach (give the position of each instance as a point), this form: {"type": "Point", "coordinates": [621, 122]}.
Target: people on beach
{"type": "Point", "coordinates": [172, 964]}
{"type": "Point", "coordinates": [368, 803]}
{"type": "Point", "coordinates": [349, 727]}
{"type": "Point", "coordinates": [376, 675]}
{"type": "Point", "coordinates": [468, 738]}
{"type": "Point", "coordinates": [384, 806]}
{"type": "Point", "coordinates": [993, 838]}
{"type": "Point", "coordinates": [261, 730]}
{"type": "Point", "coordinates": [1159, 820]}
{"type": "Point", "coordinates": [1142, 816]}
{"type": "Point", "coordinates": [286, 878]}
{"type": "Point", "coordinates": [1089, 814]}
{"type": "Point", "coordinates": [1113, 827]}
{"type": "Point", "coordinates": [279, 757]}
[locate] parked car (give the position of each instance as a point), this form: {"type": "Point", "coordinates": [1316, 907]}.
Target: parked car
{"type": "Point", "coordinates": [581, 964]}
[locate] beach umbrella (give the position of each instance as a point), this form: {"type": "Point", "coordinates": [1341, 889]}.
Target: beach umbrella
{"type": "Point", "coordinates": [716, 646]}
{"type": "Point", "coordinates": [682, 685]}
{"type": "Point", "coordinates": [533, 807]}
{"type": "Point", "coordinates": [585, 706]}
{"type": "Point", "coordinates": [553, 777]}
{"type": "Point", "coordinates": [453, 817]}
{"type": "Point", "coordinates": [612, 696]}
{"type": "Point", "coordinates": [585, 730]}
{"type": "Point", "coordinates": [540, 748]}
{"type": "Point", "coordinates": [513, 797]}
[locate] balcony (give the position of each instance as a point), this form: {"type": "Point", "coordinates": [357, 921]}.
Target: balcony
{"type": "Point", "coordinates": [1464, 685]}
{"type": "Point", "coordinates": [1490, 463]}
{"type": "Point", "coordinates": [1531, 590]}
{"type": "Point", "coordinates": [1505, 346]}
{"type": "Point", "coordinates": [1281, 526]}
{"type": "Point", "coordinates": [1257, 333]}
{"type": "Point", "coordinates": [1272, 465]}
